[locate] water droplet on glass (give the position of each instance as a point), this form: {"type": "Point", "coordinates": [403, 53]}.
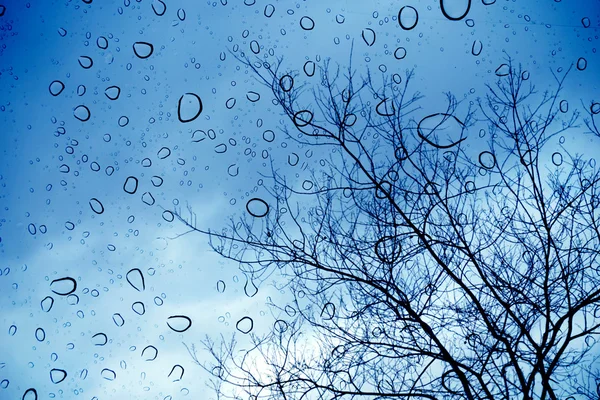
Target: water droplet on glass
{"type": "Point", "coordinates": [245, 325]}
{"type": "Point", "coordinates": [455, 10]}
{"type": "Point", "coordinates": [143, 49]}
{"type": "Point", "coordinates": [112, 92]}
{"type": "Point", "coordinates": [369, 36]}
{"type": "Point", "coordinates": [82, 113]}
{"type": "Point", "coordinates": [307, 23]}
{"type": "Point", "coordinates": [189, 107]}
{"type": "Point", "coordinates": [86, 62]}
{"type": "Point", "coordinates": [56, 88]}
{"type": "Point", "coordinates": [408, 17]}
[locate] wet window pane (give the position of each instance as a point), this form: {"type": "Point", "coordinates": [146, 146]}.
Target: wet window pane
{"type": "Point", "coordinates": [348, 176]}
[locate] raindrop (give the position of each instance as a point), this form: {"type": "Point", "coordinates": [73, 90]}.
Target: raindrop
{"type": "Point", "coordinates": [102, 42]}
{"type": "Point", "coordinates": [439, 120]}
{"type": "Point", "coordinates": [168, 216]}
{"type": "Point", "coordinates": [455, 10]}
{"type": "Point", "coordinates": [85, 62]}
{"type": "Point", "coordinates": [280, 326]}
{"type": "Point", "coordinates": [163, 153]}
{"type": "Point", "coordinates": [135, 278]}
{"type": "Point", "coordinates": [221, 148]}
{"type": "Point", "coordinates": [139, 308]}
{"type": "Point", "coordinates": [180, 372]}
{"type": "Point", "coordinates": [476, 47]}
{"type": "Point", "coordinates": [369, 36]}
{"type": "Point", "coordinates": [303, 118]}
{"type": "Point", "coordinates": [564, 106]}
{"type": "Point", "coordinates": [268, 136]}
{"type": "Point", "coordinates": [30, 394]}
{"type": "Point", "coordinates": [100, 339]}
{"type": "Point", "coordinates": [269, 10]}
{"type": "Point", "coordinates": [290, 311]}
{"type": "Point", "coordinates": [148, 199]}
{"type": "Point", "coordinates": [220, 286]}
{"type": "Point", "coordinates": [307, 23]}
{"type": "Point", "coordinates": [40, 334]}
{"type": "Point", "coordinates": [96, 206]}
{"type": "Point", "coordinates": [557, 159]}
{"type": "Point", "coordinates": [159, 7]}
{"type": "Point", "coordinates": [179, 323]}
{"type": "Point", "coordinates": [189, 107]}
{"type": "Point", "coordinates": [286, 82]}
{"type": "Point", "coordinates": [408, 17]}
{"type": "Point", "coordinates": [581, 63]}
{"type": "Point", "coordinates": [400, 53]}
{"type": "Point", "coordinates": [245, 325]}
{"type": "Point", "coordinates": [63, 286]}
{"type": "Point", "coordinates": [112, 92]}
{"type": "Point", "coordinates": [82, 113]}
{"type": "Point", "coordinates": [131, 184]}
{"type": "Point", "coordinates": [470, 187]}
{"type": "Point", "coordinates": [181, 14]}
{"type": "Point", "coordinates": [249, 288]}
{"type": "Point", "coordinates": [585, 21]}
{"type": "Point", "coordinates": [253, 96]}
{"type": "Point", "coordinates": [157, 181]}
{"type": "Point", "coordinates": [230, 103]}
{"type": "Point", "coordinates": [123, 121]}
{"type": "Point", "coordinates": [233, 170]}
{"type": "Point", "coordinates": [118, 319]}
{"type": "Point", "coordinates": [309, 68]}
{"type": "Point", "coordinates": [328, 311]}
{"type": "Point", "coordinates": [382, 108]}
{"type": "Point", "coordinates": [293, 159]}
{"type": "Point", "coordinates": [56, 88]}
{"type": "Point", "coordinates": [487, 159]}
{"type": "Point", "coordinates": [108, 374]}
{"type": "Point", "coordinates": [502, 70]}
{"type": "Point", "coordinates": [47, 304]}
{"type": "Point", "coordinates": [152, 353]}
{"type": "Point", "coordinates": [388, 249]}
{"type": "Point", "coordinates": [257, 207]}
{"type": "Point", "coordinates": [143, 49]}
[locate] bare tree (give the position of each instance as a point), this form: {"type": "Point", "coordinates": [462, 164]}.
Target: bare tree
{"type": "Point", "coordinates": [427, 258]}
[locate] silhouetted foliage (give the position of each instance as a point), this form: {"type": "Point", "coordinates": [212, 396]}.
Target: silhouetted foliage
{"type": "Point", "coordinates": [427, 258]}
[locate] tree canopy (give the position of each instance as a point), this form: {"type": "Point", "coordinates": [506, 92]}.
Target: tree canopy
{"type": "Point", "coordinates": [437, 254]}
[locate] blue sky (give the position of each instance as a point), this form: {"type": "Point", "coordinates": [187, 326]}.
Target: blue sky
{"type": "Point", "coordinates": [48, 157]}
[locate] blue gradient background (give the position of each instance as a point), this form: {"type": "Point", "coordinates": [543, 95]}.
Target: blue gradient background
{"type": "Point", "coordinates": [191, 54]}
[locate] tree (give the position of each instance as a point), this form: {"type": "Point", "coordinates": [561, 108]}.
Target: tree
{"type": "Point", "coordinates": [424, 261]}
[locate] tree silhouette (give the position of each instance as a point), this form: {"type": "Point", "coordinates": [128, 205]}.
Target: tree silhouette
{"type": "Point", "coordinates": [444, 256]}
